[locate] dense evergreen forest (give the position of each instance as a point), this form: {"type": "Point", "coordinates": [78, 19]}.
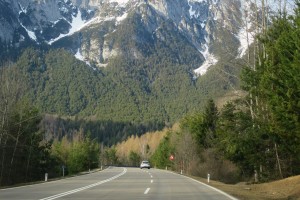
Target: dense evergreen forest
{"type": "Point", "coordinates": [257, 137]}
{"type": "Point", "coordinates": [107, 132]}
{"type": "Point", "coordinates": [57, 83]}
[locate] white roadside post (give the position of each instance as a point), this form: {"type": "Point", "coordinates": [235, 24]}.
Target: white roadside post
{"type": "Point", "coordinates": [46, 177]}
{"type": "Point", "coordinates": [63, 170]}
{"type": "Point", "coordinates": [208, 177]}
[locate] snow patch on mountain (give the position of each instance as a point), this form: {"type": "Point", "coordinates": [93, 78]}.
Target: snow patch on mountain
{"type": "Point", "coordinates": [192, 10]}
{"type": "Point", "coordinates": [121, 18]}
{"type": "Point", "coordinates": [246, 34]}
{"type": "Point", "coordinates": [210, 60]}
{"type": "Point", "coordinates": [120, 2]}
{"type": "Point", "coordinates": [282, 6]}
{"type": "Point", "coordinates": [31, 34]}
{"type": "Point", "coordinates": [80, 57]}
{"type": "Point", "coordinates": [23, 10]}
{"type": "Point", "coordinates": [246, 38]}
{"type": "Point", "coordinates": [76, 25]}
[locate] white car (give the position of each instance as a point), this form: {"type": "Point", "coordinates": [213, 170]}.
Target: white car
{"type": "Point", "coordinates": [145, 164]}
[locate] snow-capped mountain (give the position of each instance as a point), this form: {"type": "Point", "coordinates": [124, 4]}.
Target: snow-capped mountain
{"type": "Point", "coordinates": [139, 60]}
{"type": "Point", "coordinates": [88, 28]}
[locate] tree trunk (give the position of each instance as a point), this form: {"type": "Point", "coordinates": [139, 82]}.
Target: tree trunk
{"type": "Point", "coordinates": [15, 149]}
{"type": "Point", "coordinates": [3, 160]}
{"type": "Point", "coordinates": [28, 159]}
{"type": "Point", "coordinates": [278, 161]}
{"type": "Point", "coordinates": [3, 120]}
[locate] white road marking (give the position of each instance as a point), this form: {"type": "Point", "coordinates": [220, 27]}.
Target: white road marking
{"type": "Point", "coordinates": [147, 190]}
{"type": "Point", "coordinates": [220, 191]}
{"type": "Point", "coordinates": [84, 188]}
{"type": "Point", "coordinates": [151, 181]}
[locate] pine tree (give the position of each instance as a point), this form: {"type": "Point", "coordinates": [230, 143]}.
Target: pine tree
{"type": "Point", "coordinates": [275, 83]}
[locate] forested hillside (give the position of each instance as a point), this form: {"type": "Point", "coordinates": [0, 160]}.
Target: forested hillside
{"type": "Point", "coordinates": [130, 91]}
{"type": "Point", "coordinates": [254, 138]}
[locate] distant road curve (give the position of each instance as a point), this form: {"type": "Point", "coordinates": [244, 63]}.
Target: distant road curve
{"type": "Point", "coordinates": [119, 183]}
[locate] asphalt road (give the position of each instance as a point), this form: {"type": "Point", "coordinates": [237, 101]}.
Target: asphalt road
{"type": "Point", "coordinates": [118, 183]}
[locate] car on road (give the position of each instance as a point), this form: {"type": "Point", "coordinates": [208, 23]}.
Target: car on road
{"type": "Point", "coordinates": [145, 164]}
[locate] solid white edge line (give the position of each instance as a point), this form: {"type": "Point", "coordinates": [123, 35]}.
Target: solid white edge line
{"type": "Point", "coordinates": [147, 190]}
{"type": "Point", "coordinates": [49, 182]}
{"type": "Point", "coordinates": [85, 187]}
{"type": "Point", "coordinates": [211, 187]}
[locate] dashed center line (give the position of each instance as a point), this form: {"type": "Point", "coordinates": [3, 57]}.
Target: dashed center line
{"type": "Point", "coordinates": [151, 181]}
{"type": "Point", "coordinates": [147, 190]}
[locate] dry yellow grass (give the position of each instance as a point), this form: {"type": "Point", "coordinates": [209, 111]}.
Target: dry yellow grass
{"type": "Point", "coordinates": [288, 188]}
{"type": "Point", "coordinates": [230, 96]}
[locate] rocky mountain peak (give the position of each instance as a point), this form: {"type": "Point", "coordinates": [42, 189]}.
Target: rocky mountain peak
{"type": "Point", "coordinates": [91, 25]}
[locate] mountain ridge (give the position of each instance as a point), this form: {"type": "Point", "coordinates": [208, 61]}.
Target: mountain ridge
{"type": "Point", "coordinates": [154, 59]}
{"type": "Point", "coordinates": [191, 18]}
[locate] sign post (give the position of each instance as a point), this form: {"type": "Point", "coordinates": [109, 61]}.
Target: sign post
{"type": "Point", "coordinates": [171, 158]}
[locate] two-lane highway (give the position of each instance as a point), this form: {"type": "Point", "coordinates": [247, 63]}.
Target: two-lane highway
{"type": "Point", "coordinates": [118, 183]}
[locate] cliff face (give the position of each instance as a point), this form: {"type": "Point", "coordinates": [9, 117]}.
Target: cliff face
{"type": "Point", "coordinates": [91, 29]}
